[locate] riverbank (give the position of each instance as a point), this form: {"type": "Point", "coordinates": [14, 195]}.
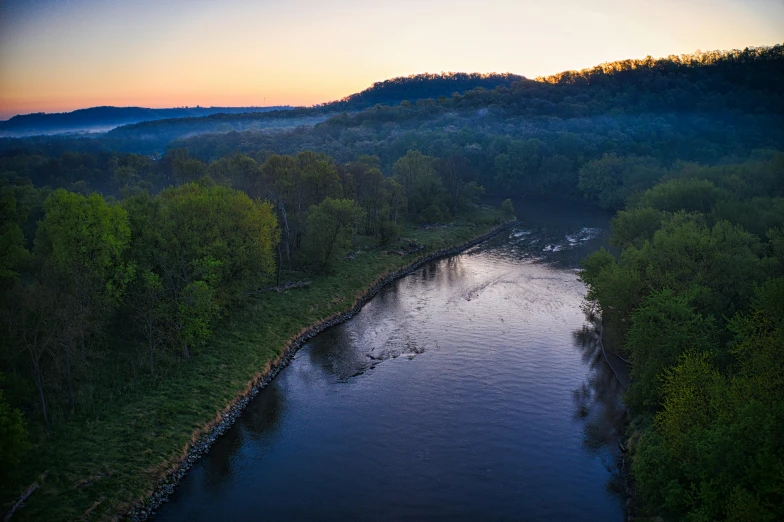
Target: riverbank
{"type": "Point", "coordinates": [125, 461]}
{"type": "Point", "coordinates": [227, 417]}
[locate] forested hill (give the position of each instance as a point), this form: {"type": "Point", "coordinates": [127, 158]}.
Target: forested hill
{"type": "Point", "coordinates": [157, 134]}
{"type": "Point", "coordinates": [422, 86]}
{"type": "Point", "coordinates": [100, 119]}
{"type": "Point", "coordinates": [751, 80]}
{"type": "Point", "coordinates": [729, 99]}
{"type": "Point", "coordinates": [601, 133]}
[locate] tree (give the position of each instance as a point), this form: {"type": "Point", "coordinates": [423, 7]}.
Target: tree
{"type": "Point", "coordinates": [635, 226]}
{"type": "Point", "coordinates": [519, 166]}
{"type": "Point", "coordinates": [13, 435]}
{"type": "Point", "coordinates": [196, 310]}
{"type": "Point", "coordinates": [507, 208]}
{"type": "Point", "coordinates": [81, 243]}
{"type": "Point", "coordinates": [455, 173]}
{"type": "Point", "coordinates": [690, 195]}
{"type": "Point", "coordinates": [209, 244]}
{"type": "Point", "coordinates": [611, 178]}
{"type": "Point", "coordinates": [329, 228]}
{"type": "Point", "coordinates": [663, 328]}
{"type": "Point", "coordinates": [149, 311]}
{"type": "Point", "coordinates": [12, 242]}
{"type": "Point", "coordinates": [416, 175]}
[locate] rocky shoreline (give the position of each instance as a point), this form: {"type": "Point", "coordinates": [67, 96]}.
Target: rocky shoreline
{"type": "Point", "coordinates": [160, 494]}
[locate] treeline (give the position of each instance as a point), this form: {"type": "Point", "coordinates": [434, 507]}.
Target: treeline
{"type": "Point", "coordinates": [545, 136]}
{"type": "Point", "coordinates": [99, 291]}
{"type": "Point", "coordinates": [710, 107]}
{"type": "Point", "coordinates": [421, 86]}
{"type": "Point", "coordinates": [695, 301]}
{"type": "Point", "coordinates": [604, 159]}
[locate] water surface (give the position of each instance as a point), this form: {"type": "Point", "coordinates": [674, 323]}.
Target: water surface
{"type": "Point", "coordinates": [470, 390]}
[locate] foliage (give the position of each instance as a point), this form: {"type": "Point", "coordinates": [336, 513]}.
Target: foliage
{"type": "Point", "coordinates": [684, 146]}
{"type": "Point", "coordinates": [12, 242]}
{"type": "Point", "coordinates": [13, 435]}
{"type": "Point", "coordinates": [507, 208]}
{"type": "Point", "coordinates": [693, 301]}
{"type": "Point", "coordinates": [330, 226]}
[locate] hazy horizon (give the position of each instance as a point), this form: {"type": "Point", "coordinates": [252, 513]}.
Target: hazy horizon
{"type": "Point", "coordinates": [63, 56]}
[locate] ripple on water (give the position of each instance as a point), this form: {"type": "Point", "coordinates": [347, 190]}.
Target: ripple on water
{"type": "Point", "coordinates": [458, 393]}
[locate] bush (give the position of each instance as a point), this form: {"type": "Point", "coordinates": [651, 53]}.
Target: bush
{"type": "Point", "coordinates": [507, 208]}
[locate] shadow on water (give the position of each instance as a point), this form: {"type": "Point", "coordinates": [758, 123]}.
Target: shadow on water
{"type": "Point", "coordinates": [260, 419]}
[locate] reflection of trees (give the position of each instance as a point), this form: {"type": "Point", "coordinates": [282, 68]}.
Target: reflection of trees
{"type": "Point", "coordinates": [259, 419]}
{"type": "Point", "coordinates": [453, 272]}
{"type": "Point", "coordinates": [598, 400]}
{"type": "Point", "coordinates": [336, 353]}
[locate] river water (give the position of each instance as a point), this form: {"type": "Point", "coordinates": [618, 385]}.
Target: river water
{"type": "Point", "coordinates": [471, 389]}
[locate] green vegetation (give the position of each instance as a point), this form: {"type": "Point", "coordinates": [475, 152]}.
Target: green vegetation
{"type": "Point", "coordinates": [102, 460]}
{"type": "Point", "coordinates": [131, 323]}
{"type": "Point", "coordinates": [134, 265]}
{"type": "Point", "coordinates": [695, 302]}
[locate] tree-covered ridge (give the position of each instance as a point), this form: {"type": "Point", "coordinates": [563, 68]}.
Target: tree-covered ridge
{"type": "Point", "coordinates": [694, 301]}
{"type": "Point", "coordinates": [389, 92]}
{"type": "Point", "coordinates": [421, 86]}
{"type": "Point", "coordinates": [731, 64]}
{"type": "Point", "coordinates": [741, 90]}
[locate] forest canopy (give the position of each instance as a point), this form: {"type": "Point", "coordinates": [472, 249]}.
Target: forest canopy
{"type": "Point", "coordinates": [155, 233]}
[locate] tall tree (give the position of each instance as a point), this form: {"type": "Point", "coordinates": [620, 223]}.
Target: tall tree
{"type": "Point", "coordinates": [329, 228]}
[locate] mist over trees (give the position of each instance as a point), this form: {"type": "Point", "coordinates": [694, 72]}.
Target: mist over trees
{"type": "Point", "coordinates": [156, 232]}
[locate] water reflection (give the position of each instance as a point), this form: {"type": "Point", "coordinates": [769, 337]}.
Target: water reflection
{"type": "Point", "coordinates": [472, 390]}
{"type": "Point", "coordinates": [260, 419]}
{"type": "Point", "coordinates": [598, 400]}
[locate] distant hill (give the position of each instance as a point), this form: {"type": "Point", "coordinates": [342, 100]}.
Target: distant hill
{"type": "Point", "coordinates": [422, 86]}
{"type": "Point", "coordinates": [102, 119]}
{"type": "Point", "coordinates": [155, 135]}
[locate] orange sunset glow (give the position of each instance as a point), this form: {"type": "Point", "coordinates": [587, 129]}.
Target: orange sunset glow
{"type": "Point", "coordinates": [59, 56]}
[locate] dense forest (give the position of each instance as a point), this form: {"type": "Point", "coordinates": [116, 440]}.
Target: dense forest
{"type": "Point", "coordinates": [154, 233]}
{"type": "Point", "coordinates": [161, 265]}
{"type": "Point", "coordinates": [602, 133]}
{"type": "Point", "coordinates": [150, 130]}
{"type": "Point", "coordinates": [695, 301]}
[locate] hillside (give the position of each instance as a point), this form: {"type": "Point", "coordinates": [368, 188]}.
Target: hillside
{"type": "Point", "coordinates": [118, 267]}
{"type": "Point", "coordinates": [101, 119]}
{"type": "Point", "coordinates": [154, 136]}
{"type": "Point", "coordinates": [422, 86]}
{"type": "Point", "coordinates": [535, 136]}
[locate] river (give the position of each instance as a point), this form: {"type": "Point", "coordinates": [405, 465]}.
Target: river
{"type": "Point", "coordinates": [471, 389]}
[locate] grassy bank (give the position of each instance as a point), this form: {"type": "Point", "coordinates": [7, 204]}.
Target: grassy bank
{"type": "Point", "coordinates": [97, 466]}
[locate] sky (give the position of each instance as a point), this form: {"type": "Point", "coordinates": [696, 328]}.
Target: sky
{"type": "Point", "coordinates": [60, 55]}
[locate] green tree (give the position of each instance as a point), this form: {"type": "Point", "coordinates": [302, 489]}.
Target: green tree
{"type": "Point", "coordinates": [330, 224]}
{"type": "Point", "coordinates": [663, 328]}
{"type": "Point", "coordinates": [507, 208]}
{"type": "Point", "coordinates": [13, 435]}
{"type": "Point", "coordinates": [12, 242]}
{"type": "Point", "coordinates": [421, 186]}
{"type": "Point", "coordinates": [207, 246]}
{"type": "Point", "coordinates": [80, 244]}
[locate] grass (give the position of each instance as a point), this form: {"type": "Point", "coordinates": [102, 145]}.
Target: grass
{"type": "Point", "coordinates": [96, 466]}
